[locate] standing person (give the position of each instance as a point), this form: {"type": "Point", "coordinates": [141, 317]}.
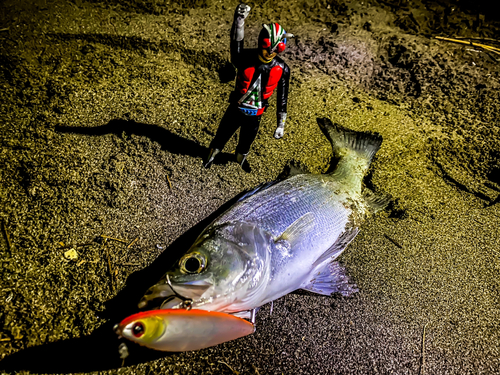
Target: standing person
{"type": "Point", "coordinates": [260, 72]}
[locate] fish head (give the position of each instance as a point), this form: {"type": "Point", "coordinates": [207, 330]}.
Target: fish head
{"type": "Point", "coordinates": [222, 266]}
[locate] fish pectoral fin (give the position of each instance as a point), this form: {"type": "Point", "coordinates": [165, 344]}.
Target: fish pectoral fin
{"type": "Point", "coordinates": [297, 229]}
{"type": "Point", "coordinates": [332, 278]}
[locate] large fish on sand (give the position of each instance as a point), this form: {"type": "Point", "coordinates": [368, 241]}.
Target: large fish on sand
{"type": "Point", "coordinates": [278, 238]}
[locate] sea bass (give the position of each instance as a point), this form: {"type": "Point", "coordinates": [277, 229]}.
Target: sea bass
{"type": "Point", "coordinates": [281, 237]}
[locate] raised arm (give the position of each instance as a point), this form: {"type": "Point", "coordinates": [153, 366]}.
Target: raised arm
{"type": "Point", "coordinates": [238, 31]}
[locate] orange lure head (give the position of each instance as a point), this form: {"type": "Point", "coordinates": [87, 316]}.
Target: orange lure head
{"type": "Point", "coordinates": [176, 330]}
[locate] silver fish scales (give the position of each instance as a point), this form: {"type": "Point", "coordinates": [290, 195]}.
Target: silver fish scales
{"type": "Point", "coordinates": [280, 237]}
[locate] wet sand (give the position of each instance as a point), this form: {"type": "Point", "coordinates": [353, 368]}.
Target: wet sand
{"type": "Point", "coordinates": [107, 111]}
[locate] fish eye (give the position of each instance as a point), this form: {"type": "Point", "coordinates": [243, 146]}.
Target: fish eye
{"type": "Point", "coordinates": [138, 329]}
{"type": "Point", "coordinates": [192, 263]}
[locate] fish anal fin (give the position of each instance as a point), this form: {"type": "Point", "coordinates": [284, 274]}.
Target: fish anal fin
{"type": "Point", "coordinates": [336, 249]}
{"type": "Point", "coordinates": [297, 229]}
{"type": "Point", "coordinates": [332, 278]}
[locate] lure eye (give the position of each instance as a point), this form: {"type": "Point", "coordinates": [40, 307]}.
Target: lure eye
{"type": "Point", "coordinates": [192, 263]}
{"type": "Point", "coordinates": [138, 329]}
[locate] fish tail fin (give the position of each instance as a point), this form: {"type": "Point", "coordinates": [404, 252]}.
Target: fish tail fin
{"type": "Point", "coordinates": [357, 148]}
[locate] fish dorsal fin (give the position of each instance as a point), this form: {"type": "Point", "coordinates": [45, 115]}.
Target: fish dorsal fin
{"type": "Point", "coordinates": [293, 168]}
{"type": "Point", "coordinates": [374, 201]}
{"type": "Point", "coordinates": [336, 249]}
{"type": "Point", "coordinates": [297, 229]}
{"type": "Point", "coordinates": [297, 168]}
{"type": "Point", "coordinates": [261, 187]}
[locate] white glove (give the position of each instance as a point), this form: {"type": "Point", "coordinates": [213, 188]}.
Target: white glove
{"type": "Point", "coordinates": [241, 12]}
{"type": "Point", "coordinates": [280, 130]}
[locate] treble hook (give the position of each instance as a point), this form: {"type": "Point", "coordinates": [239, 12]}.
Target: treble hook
{"type": "Point", "coordinates": [187, 303]}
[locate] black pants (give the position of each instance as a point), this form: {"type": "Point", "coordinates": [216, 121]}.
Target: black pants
{"type": "Point", "coordinates": [231, 121]}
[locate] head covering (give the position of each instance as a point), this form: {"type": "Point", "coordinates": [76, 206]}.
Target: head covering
{"type": "Point", "coordinates": [272, 36]}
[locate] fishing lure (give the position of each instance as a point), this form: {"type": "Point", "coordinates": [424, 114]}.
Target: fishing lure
{"type": "Point", "coordinates": [177, 330]}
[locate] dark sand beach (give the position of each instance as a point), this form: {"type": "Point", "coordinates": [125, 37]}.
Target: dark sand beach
{"type": "Point", "coordinates": [107, 110]}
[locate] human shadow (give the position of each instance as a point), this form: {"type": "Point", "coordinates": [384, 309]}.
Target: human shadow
{"type": "Point", "coordinates": [99, 350]}
{"type": "Point", "coordinates": [167, 140]}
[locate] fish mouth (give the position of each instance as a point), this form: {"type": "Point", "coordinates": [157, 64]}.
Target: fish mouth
{"type": "Point", "coordinates": [174, 302]}
{"type": "Point", "coordinates": [160, 296]}
{"type": "Point", "coordinates": [165, 296]}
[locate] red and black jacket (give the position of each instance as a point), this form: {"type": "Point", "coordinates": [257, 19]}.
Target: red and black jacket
{"type": "Point", "coordinates": [260, 78]}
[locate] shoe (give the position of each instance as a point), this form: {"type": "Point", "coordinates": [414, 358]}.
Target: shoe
{"type": "Point", "coordinates": [241, 159]}
{"type": "Point", "coordinates": [211, 156]}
